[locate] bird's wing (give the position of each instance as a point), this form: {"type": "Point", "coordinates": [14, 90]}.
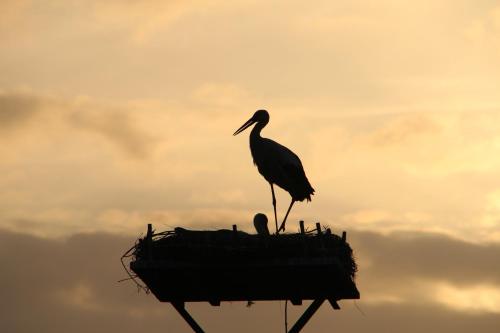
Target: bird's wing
{"type": "Point", "coordinates": [282, 154]}
{"type": "Point", "coordinates": [285, 162]}
{"type": "Point", "coordinates": [288, 172]}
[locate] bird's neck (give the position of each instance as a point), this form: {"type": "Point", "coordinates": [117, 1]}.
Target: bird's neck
{"type": "Point", "coordinates": [255, 135]}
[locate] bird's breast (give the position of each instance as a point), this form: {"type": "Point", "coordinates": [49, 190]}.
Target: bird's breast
{"type": "Point", "coordinates": [263, 160]}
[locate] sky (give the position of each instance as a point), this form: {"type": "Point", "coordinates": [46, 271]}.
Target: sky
{"type": "Point", "coordinates": [120, 113]}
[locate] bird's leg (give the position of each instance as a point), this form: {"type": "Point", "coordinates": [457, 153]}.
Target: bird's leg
{"type": "Point", "coordinates": [274, 205]}
{"type": "Point", "coordinates": [282, 226]}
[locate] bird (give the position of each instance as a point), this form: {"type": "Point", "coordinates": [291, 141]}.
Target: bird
{"type": "Point", "coordinates": [277, 164]}
{"type": "Point", "coordinates": [260, 224]}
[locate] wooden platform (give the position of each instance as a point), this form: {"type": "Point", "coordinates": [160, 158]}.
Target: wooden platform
{"type": "Point", "coordinates": [228, 265]}
{"type": "Point", "coordinates": [225, 265]}
{"type": "Point", "coordinates": [293, 280]}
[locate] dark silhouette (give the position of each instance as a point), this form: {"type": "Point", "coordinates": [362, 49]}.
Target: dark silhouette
{"type": "Point", "coordinates": [278, 164]}
{"type": "Point", "coordinates": [260, 224]}
{"type": "Point", "coordinates": [183, 265]}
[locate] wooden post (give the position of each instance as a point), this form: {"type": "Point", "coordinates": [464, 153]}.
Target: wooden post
{"type": "Point", "coordinates": [149, 242]}
{"type": "Point", "coordinates": [318, 228]}
{"type": "Point", "coordinates": [320, 239]}
{"type": "Point", "coordinates": [235, 232]}
{"type": "Point", "coordinates": [302, 230]}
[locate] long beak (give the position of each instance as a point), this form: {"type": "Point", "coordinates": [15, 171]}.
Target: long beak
{"type": "Point", "coordinates": [249, 123]}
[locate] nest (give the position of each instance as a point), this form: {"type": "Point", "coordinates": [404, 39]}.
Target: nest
{"type": "Point", "coordinates": [230, 265]}
{"type": "Point", "coordinates": [228, 247]}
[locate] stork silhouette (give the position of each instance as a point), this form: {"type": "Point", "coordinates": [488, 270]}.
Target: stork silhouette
{"type": "Point", "coordinates": [277, 164]}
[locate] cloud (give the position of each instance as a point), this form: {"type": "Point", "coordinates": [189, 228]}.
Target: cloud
{"type": "Point", "coordinates": [144, 19]}
{"type": "Point", "coordinates": [363, 93]}
{"type": "Point", "coordinates": [474, 299]}
{"type": "Point", "coordinates": [136, 158]}
{"type": "Point", "coordinates": [402, 129]}
{"type": "Point", "coordinates": [145, 156]}
{"type": "Point", "coordinates": [16, 109]}
{"type": "Point", "coordinates": [57, 285]}
{"type": "Point", "coordinates": [483, 31]}
{"type": "Point", "coordinates": [117, 127]}
{"type": "Point", "coordinates": [354, 57]}
{"type": "Point", "coordinates": [218, 95]}
{"type": "Point", "coordinates": [412, 267]}
{"type": "Point", "coordinates": [60, 115]}
{"type": "Point", "coordinates": [411, 318]}
{"type": "Point", "coordinates": [432, 256]}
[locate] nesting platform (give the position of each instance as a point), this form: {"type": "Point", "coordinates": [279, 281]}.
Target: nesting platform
{"type": "Point", "coordinates": [229, 265]}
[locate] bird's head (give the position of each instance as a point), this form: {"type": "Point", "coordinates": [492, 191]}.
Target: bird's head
{"type": "Point", "coordinates": [260, 223]}
{"type": "Point", "coordinates": [260, 116]}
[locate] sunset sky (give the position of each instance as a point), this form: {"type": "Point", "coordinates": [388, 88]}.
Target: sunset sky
{"type": "Point", "coordinates": [119, 113]}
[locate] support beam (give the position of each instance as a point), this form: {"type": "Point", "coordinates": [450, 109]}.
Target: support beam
{"type": "Point", "coordinates": [299, 325]}
{"type": "Point", "coordinates": [179, 306]}
{"type": "Point", "coordinates": [149, 243]}
{"type": "Point", "coordinates": [310, 311]}
{"type": "Point", "coordinates": [334, 304]}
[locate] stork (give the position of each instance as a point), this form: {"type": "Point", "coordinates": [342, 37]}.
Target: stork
{"type": "Point", "coordinates": [277, 164]}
